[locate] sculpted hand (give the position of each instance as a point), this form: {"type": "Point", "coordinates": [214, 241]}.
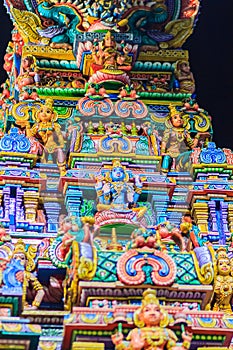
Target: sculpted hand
{"type": "Point", "coordinates": [20, 276]}
{"type": "Point", "coordinates": [117, 338]}
{"type": "Point", "coordinates": [137, 343]}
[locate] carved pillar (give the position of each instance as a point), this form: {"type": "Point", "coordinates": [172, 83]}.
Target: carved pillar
{"type": "Point", "coordinates": [31, 203]}
{"type": "Point", "coordinates": [213, 218]}
{"type": "Point", "coordinates": [224, 208]}
{"type": "Point", "coordinates": [6, 201]}
{"type": "Point", "coordinates": [200, 214]}
{"type": "Point", "coordinates": [73, 200]}
{"type": "Point", "coordinates": [52, 212]}
{"type": "Point", "coordinates": [19, 200]}
{"type": "Point", "coordinates": [160, 202]}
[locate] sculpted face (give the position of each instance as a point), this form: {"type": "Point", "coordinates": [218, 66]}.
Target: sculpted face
{"type": "Point", "coordinates": [45, 114]}
{"type": "Point", "coordinates": [224, 266]}
{"type": "Point", "coordinates": [185, 67]}
{"type": "Point", "coordinates": [21, 257]}
{"type": "Point", "coordinates": [176, 121]}
{"type": "Point", "coordinates": [151, 315]}
{"type": "Point", "coordinates": [118, 174]}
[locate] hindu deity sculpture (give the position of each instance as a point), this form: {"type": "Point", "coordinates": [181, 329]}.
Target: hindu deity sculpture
{"type": "Point", "coordinates": [223, 284]}
{"type": "Point", "coordinates": [176, 143]}
{"type": "Point", "coordinates": [184, 76]}
{"type": "Point", "coordinates": [108, 57]}
{"type": "Point", "coordinates": [28, 76]}
{"type": "Point", "coordinates": [151, 332]}
{"type": "Point", "coordinates": [190, 233]}
{"type": "Point", "coordinates": [115, 193]}
{"type": "Point", "coordinates": [48, 132]}
{"type": "Point", "coordinates": [74, 229]}
{"type": "Point", "coordinates": [26, 276]}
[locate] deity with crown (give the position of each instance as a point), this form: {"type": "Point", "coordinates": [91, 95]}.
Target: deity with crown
{"type": "Point", "coordinates": [116, 194]}
{"type": "Point", "coordinates": [177, 142]}
{"type": "Point", "coordinates": [151, 333]}
{"type": "Point", "coordinates": [26, 276]}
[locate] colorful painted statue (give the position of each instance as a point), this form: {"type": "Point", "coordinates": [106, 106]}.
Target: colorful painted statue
{"type": "Point", "coordinates": [184, 76]}
{"type": "Point", "coordinates": [74, 229]}
{"type": "Point", "coordinates": [223, 284]}
{"type": "Point", "coordinates": [27, 277]}
{"type": "Point", "coordinates": [28, 76]}
{"type": "Point", "coordinates": [176, 142]}
{"type": "Point", "coordinates": [151, 332]}
{"type": "Point", "coordinates": [108, 58]}
{"type": "Point", "coordinates": [48, 132]}
{"type": "Point", "coordinates": [116, 193]}
{"type": "Point", "coordinates": [190, 233]}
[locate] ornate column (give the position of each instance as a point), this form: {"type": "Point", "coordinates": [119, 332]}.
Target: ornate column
{"type": "Point", "coordinates": [52, 212]}
{"type": "Point", "coordinates": [200, 214]}
{"type": "Point", "coordinates": [31, 199]}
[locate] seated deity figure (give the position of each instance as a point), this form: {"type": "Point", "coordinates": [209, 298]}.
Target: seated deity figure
{"type": "Point", "coordinates": [116, 193]}
{"type": "Point", "coordinates": [108, 58]}
{"type": "Point", "coordinates": [151, 332]}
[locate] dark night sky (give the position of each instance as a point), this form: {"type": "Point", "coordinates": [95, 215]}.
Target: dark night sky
{"type": "Point", "coordinates": [211, 59]}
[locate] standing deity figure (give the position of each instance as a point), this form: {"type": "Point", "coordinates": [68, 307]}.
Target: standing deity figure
{"type": "Point", "coordinates": [177, 142]}
{"type": "Point", "coordinates": [27, 277]}
{"type": "Point", "coordinates": [151, 332]}
{"type": "Point", "coordinates": [48, 132]}
{"type": "Point", "coordinates": [223, 284]}
{"type": "Point", "coordinates": [116, 193]}
{"type": "Point", "coordinates": [28, 76]}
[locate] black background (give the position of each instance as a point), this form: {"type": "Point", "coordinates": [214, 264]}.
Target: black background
{"type": "Point", "coordinates": [211, 60]}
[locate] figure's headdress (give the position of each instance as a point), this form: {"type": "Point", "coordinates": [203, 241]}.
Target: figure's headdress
{"type": "Point", "coordinates": [172, 113]}
{"type": "Point", "coordinates": [20, 247]}
{"type": "Point", "coordinates": [149, 297]}
{"type": "Point", "coordinates": [222, 253]}
{"type": "Point", "coordinates": [116, 164]}
{"type": "Point", "coordinates": [48, 103]}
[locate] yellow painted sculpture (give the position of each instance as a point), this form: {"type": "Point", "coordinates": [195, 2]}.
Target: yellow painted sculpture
{"type": "Point", "coordinates": [151, 332]}
{"type": "Point", "coordinates": [48, 132]}
{"type": "Point", "coordinates": [223, 284]}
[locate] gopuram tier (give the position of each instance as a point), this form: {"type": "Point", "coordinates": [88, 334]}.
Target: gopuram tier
{"type": "Point", "coordinates": [116, 208]}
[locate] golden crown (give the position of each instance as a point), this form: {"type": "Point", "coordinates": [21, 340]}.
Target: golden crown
{"type": "Point", "coordinates": [19, 247]}
{"type": "Point", "coordinates": [149, 297]}
{"type": "Point", "coordinates": [49, 103]}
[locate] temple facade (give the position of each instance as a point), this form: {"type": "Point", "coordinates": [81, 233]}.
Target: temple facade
{"type": "Point", "coordinates": [116, 206]}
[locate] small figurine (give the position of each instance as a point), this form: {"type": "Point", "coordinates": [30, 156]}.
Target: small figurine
{"type": "Point", "coordinates": [74, 229]}
{"type": "Point", "coordinates": [116, 193]}
{"type": "Point", "coordinates": [27, 277]}
{"type": "Point", "coordinates": [28, 76]}
{"type": "Point", "coordinates": [176, 142]}
{"type": "Point", "coordinates": [108, 58]}
{"type": "Point", "coordinates": [223, 284]}
{"type": "Point", "coordinates": [190, 233]}
{"type": "Point", "coordinates": [184, 76]}
{"type": "Point", "coordinates": [48, 132]}
{"type": "Point", "coordinates": [151, 332]}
